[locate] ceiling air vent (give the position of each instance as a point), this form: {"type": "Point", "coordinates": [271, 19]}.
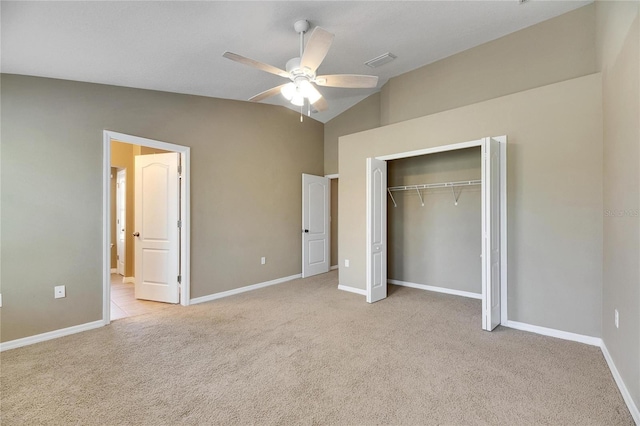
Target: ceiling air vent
{"type": "Point", "coordinates": [380, 60]}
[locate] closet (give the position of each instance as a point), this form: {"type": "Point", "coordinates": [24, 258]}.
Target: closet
{"type": "Point", "coordinates": [434, 222]}
{"type": "Point", "coordinates": [436, 241]}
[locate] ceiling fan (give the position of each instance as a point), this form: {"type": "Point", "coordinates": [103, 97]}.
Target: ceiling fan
{"type": "Point", "coordinates": [302, 72]}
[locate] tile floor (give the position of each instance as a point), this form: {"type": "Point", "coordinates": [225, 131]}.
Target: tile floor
{"type": "Point", "coordinates": [123, 301]}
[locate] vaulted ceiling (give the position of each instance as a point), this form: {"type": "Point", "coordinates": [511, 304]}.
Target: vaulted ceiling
{"type": "Point", "coordinates": [178, 46]}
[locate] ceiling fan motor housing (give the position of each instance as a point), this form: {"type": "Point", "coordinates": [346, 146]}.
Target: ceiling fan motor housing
{"type": "Point", "coordinates": [295, 71]}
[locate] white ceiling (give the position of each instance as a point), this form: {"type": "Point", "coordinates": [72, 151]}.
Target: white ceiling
{"type": "Point", "coordinates": [178, 46]}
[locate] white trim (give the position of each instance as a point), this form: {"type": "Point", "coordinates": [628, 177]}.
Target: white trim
{"type": "Point", "coordinates": [333, 268]}
{"type": "Point", "coordinates": [332, 176]}
{"type": "Point", "coordinates": [129, 280]}
{"type": "Point", "coordinates": [633, 408]}
{"type": "Point", "coordinates": [504, 264]}
{"type": "Point", "coordinates": [244, 289]}
{"type": "Point", "coordinates": [352, 289]}
{"type": "Point", "coordinates": [565, 335]}
{"type": "Point", "coordinates": [437, 289]}
{"type": "Point", "coordinates": [114, 270]}
{"type": "Point", "coordinates": [106, 228]}
{"type": "Point", "coordinates": [185, 214]}
{"type": "Point", "coordinates": [441, 148]}
{"type": "Point", "coordinates": [25, 341]}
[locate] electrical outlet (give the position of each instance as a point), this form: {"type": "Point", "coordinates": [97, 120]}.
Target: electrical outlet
{"type": "Point", "coordinates": [346, 263]}
{"type": "Point", "coordinates": [59, 291]}
{"type": "Point", "coordinates": [263, 260]}
{"type": "Point", "coordinates": [617, 318]}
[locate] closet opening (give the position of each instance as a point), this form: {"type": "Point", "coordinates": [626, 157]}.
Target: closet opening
{"type": "Point", "coordinates": [436, 220]}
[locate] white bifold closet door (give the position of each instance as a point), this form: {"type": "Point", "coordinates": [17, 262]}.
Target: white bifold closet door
{"type": "Point", "coordinates": [376, 230]}
{"type": "Point", "coordinates": [491, 220]}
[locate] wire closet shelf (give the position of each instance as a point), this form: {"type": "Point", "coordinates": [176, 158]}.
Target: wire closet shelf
{"type": "Point", "coordinates": [423, 186]}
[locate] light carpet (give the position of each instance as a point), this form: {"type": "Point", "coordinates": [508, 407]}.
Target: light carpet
{"type": "Point", "coordinates": [304, 352]}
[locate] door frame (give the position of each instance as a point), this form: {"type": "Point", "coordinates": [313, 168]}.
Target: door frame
{"type": "Point", "coordinates": [503, 208]}
{"type": "Point", "coordinates": [185, 214]}
{"type": "Point", "coordinates": [331, 177]}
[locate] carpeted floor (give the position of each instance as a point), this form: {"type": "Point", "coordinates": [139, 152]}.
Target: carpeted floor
{"type": "Point", "coordinates": [304, 352]}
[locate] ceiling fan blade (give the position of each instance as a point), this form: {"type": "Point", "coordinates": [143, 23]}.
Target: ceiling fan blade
{"type": "Point", "coordinates": [316, 49]}
{"type": "Point", "coordinates": [351, 81]}
{"type": "Point", "coordinates": [256, 64]}
{"type": "Point", "coordinates": [320, 105]}
{"type": "Point", "coordinates": [267, 93]}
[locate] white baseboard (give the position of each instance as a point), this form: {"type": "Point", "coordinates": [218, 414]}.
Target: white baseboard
{"type": "Point", "coordinates": [129, 280]}
{"type": "Point", "coordinates": [437, 289]}
{"type": "Point", "coordinates": [334, 267]}
{"type": "Point", "coordinates": [12, 344]}
{"type": "Point", "coordinates": [552, 332]}
{"type": "Point", "coordinates": [114, 270]}
{"type": "Point", "coordinates": [228, 293]}
{"type": "Point", "coordinates": [352, 289]}
{"type": "Point", "coordinates": [623, 388]}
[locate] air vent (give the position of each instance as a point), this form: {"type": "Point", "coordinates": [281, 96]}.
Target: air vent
{"type": "Point", "coordinates": [380, 60]}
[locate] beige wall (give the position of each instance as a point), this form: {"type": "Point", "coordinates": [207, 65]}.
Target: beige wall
{"type": "Point", "coordinates": [246, 164]}
{"type": "Point", "coordinates": [554, 191]}
{"type": "Point", "coordinates": [363, 116]}
{"type": "Point", "coordinates": [438, 244]}
{"type": "Point", "coordinates": [549, 52]}
{"type": "Point", "coordinates": [619, 60]}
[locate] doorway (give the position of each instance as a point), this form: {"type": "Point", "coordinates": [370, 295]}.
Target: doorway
{"type": "Point", "coordinates": [165, 267]}
{"type": "Point", "coordinates": [493, 235]}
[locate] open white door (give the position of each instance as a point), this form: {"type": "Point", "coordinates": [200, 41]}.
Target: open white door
{"type": "Point", "coordinates": [376, 230]}
{"type": "Point", "coordinates": [491, 250]}
{"type": "Point", "coordinates": [315, 225]}
{"type": "Point", "coordinates": [156, 233]}
{"type": "Point", "coordinates": [121, 220]}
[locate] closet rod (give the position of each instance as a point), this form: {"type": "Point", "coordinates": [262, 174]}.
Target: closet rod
{"type": "Point", "coordinates": [434, 185]}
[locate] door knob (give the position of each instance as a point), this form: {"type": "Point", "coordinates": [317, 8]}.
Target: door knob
{"type": "Point", "coordinates": [306, 231]}
{"type": "Point", "coordinates": [136, 234]}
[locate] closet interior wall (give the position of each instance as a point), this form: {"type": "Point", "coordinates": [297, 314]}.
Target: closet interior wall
{"type": "Point", "coordinates": [438, 244]}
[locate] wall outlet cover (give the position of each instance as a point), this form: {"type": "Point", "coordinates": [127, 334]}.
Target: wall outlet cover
{"type": "Point", "coordinates": [346, 263]}
{"type": "Point", "coordinates": [59, 291]}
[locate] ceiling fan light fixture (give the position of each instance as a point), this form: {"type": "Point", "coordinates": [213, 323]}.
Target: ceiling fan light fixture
{"type": "Point", "coordinates": [288, 91]}
{"type": "Point", "coordinates": [309, 92]}
{"type": "Point", "coordinates": [298, 99]}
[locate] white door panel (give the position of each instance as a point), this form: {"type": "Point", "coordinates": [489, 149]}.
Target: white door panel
{"type": "Point", "coordinates": [315, 225]}
{"type": "Point", "coordinates": [156, 231]}
{"type": "Point", "coordinates": [376, 230]}
{"type": "Point", "coordinates": [491, 211]}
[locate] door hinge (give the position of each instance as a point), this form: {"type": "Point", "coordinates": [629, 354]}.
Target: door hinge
{"type": "Point", "coordinates": [179, 169]}
{"type": "Point", "coordinates": [179, 279]}
{"type": "Point", "coordinates": [179, 224]}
